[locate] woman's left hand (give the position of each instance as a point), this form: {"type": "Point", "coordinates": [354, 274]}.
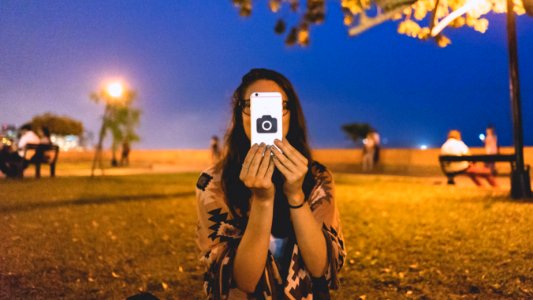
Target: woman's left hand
{"type": "Point", "coordinates": [293, 165]}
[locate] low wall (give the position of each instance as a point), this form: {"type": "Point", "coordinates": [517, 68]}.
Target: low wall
{"type": "Point", "coordinates": [404, 161]}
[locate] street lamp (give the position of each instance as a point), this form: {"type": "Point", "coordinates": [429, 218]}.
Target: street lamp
{"type": "Point", "coordinates": [115, 90]}
{"type": "Point", "coordinates": [111, 95]}
{"type": "Point", "coordinates": [520, 181]}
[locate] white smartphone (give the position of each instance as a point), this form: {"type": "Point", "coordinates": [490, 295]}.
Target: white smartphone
{"type": "Point", "coordinates": [266, 113]}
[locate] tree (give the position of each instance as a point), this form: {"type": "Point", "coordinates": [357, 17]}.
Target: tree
{"type": "Point", "coordinates": [421, 19]}
{"type": "Point", "coordinates": [120, 118]}
{"type": "Point", "coordinates": [122, 123]}
{"type": "Point", "coordinates": [60, 125]}
{"type": "Point", "coordinates": [357, 131]}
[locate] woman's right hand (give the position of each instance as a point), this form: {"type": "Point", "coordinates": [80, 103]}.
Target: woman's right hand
{"type": "Point", "coordinates": [256, 172]}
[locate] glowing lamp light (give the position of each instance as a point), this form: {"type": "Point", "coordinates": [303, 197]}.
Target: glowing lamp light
{"type": "Point", "coordinates": [115, 89]}
{"type": "Point", "coordinates": [423, 147]}
{"type": "Point", "coordinates": [482, 136]}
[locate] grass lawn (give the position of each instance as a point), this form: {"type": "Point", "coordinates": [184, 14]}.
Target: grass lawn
{"type": "Point", "coordinates": [111, 237]}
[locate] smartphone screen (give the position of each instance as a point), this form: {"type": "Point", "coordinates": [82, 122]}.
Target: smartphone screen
{"type": "Point", "coordinates": [266, 113]}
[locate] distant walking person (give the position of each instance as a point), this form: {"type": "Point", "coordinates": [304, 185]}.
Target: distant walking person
{"type": "Point", "coordinates": [369, 152]}
{"type": "Point", "coordinates": [377, 146]}
{"type": "Point", "coordinates": [455, 146]}
{"type": "Point", "coordinates": [491, 147]}
{"type": "Point", "coordinates": [215, 149]}
{"type": "Point", "coordinates": [125, 157]}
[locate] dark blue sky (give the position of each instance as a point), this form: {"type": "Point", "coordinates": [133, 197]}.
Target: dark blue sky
{"type": "Point", "coordinates": [185, 58]}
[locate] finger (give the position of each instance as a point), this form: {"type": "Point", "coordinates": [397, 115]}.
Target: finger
{"type": "Point", "coordinates": [264, 163]}
{"type": "Point", "coordinates": [249, 157]}
{"type": "Point", "coordinates": [284, 160]}
{"type": "Point", "coordinates": [271, 168]}
{"type": "Point", "coordinates": [293, 154]}
{"type": "Point", "coordinates": [258, 157]}
{"type": "Point", "coordinates": [286, 172]}
{"type": "Point", "coordinates": [296, 153]}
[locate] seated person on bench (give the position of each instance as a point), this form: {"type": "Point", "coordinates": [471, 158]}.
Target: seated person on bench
{"type": "Point", "coordinates": [455, 146]}
{"type": "Point", "coordinates": [9, 159]}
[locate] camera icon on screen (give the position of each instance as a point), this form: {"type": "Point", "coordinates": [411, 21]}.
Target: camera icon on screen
{"type": "Point", "coordinates": [267, 124]}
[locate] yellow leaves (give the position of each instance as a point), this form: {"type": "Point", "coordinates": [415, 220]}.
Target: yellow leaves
{"type": "Point", "coordinates": [348, 19]}
{"type": "Point", "coordinates": [115, 275]}
{"type": "Point", "coordinates": [244, 6]}
{"type": "Point", "coordinates": [366, 4]}
{"type": "Point", "coordinates": [275, 5]}
{"type": "Point", "coordinates": [409, 28]}
{"type": "Point", "coordinates": [459, 22]}
{"type": "Point", "coordinates": [111, 235]}
{"type": "Point", "coordinates": [424, 33]}
{"type": "Point", "coordinates": [352, 6]}
{"type": "Point", "coordinates": [442, 41]}
{"type": "Point", "coordinates": [482, 7]}
{"type": "Point", "coordinates": [499, 7]}
{"type": "Point", "coordinates": [519, 7]}
{"type": "Point", "coordinates": [470, 21]}
{"type": "Point", "coordinates": [303, 36]}
{"type": "Point", "coordinates": [481, 25]}
{"type": "Point", "coordinates": [421, 10]}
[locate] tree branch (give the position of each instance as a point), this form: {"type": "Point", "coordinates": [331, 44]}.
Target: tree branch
{"type": "Point", "coordinates": [371, 22]}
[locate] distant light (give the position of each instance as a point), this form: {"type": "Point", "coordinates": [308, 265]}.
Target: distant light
{"type": "Point", "coordinates": [482, 136]}
{"type": "Point", "coordinates": [423, 147]}
{"type": "Point", "coordinates": [115, 89]}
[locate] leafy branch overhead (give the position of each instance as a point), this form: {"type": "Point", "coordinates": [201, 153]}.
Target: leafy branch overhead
{"type": "Point", "coordinates": [422, 19]}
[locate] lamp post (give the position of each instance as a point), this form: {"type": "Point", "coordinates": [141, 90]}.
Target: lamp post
{"type": "Point", "coordinates": [110, 95]}
{"type": "Point", "coordinates": [520, 180]}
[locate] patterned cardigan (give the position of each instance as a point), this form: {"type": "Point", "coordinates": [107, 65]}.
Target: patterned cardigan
{"type": "Point", "coordinates": [219, 234]}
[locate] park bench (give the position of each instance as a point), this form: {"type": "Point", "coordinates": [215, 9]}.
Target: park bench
{"type": "Point", "coordinates": [443, 159]}
{"type": "Point", "coordinates": [38, 154]}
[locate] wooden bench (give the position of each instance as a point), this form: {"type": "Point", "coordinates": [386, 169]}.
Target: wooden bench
{"type": "Point", "coordinates": [443, 159]}
{"type": "Point", "coordinates": [42, 154]}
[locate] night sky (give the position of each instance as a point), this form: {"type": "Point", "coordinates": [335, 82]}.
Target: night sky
{"type": "Point", "coordinates": [185, 58]}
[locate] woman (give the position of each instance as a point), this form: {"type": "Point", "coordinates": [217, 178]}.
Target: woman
{"type": "Point", "coordinates": [268, 223]}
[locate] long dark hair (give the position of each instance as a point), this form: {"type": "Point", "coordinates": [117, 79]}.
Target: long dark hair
{"type": "Point", "coordinates": [237, 146]}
